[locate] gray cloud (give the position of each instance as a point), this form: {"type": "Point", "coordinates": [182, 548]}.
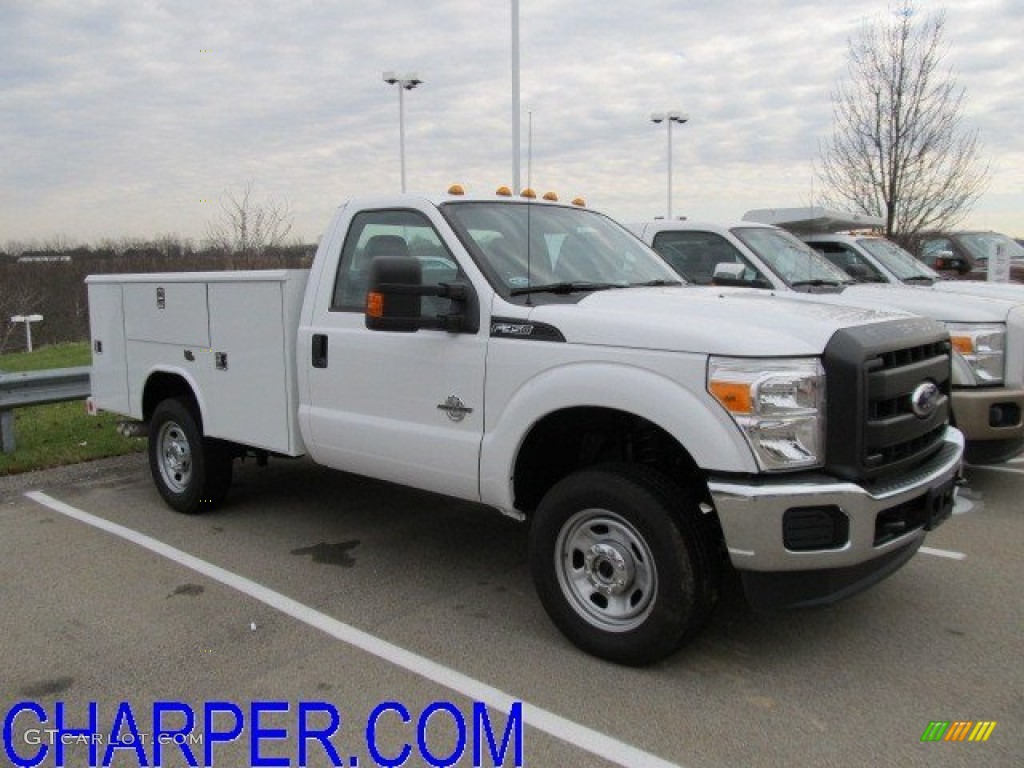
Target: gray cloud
{"type": "Point", "coordinates": [127, 118]}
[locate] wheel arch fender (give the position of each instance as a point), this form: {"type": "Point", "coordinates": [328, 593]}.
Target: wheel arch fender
{"type": "Point", "coordinates": [163, 382]}
{"type": "Point", "coordinates": [692, 419]}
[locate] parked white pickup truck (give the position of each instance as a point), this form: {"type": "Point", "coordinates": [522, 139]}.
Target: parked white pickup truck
{"type": "Point", "coordinates": [986, 325]}
{"type": "Point", "coordinates": [872, 258]}
{"type": "Point", "coordinates": [536, 358]}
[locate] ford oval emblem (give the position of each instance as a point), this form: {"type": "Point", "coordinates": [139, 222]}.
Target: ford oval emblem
{"type": "Point", "coordinates": [925, 399]}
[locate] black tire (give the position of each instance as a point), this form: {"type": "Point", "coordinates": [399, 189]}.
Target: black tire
{"type": "Point", "coordinates": [192, 473]}
{"type": "Point", "coordinates": [623, 563]}
{"type": "Point", "coordinates": [992, 451]}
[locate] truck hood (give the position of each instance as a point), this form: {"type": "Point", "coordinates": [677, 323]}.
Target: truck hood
{"type": "Point", "coordinates": [1008, 291]}
{"type": "Point", "coordinates": [723, 321]}
{"type": "Point", "coordinates": [920, 300]}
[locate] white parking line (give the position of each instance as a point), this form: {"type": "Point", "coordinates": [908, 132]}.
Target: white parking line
{"type": "Point", "coordinates": [947, 553]}
{"type": "Point", "coordinates": [580, 736]}
{"type": "Point", "coordinates": [991, 468]}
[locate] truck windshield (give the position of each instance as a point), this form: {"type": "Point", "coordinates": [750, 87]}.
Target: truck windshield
{"type": "Point", "coordinates": [904, 266]}
{"type": "Point", "coordinates": [530, 247]}
{"type": "Point", "coordinates": [979, 245]}
{"type": "Point", "coordinates": [791, 259]}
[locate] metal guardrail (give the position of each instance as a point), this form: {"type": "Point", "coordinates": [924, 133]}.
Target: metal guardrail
{"type": "Point", "coordinates": [18, 390]}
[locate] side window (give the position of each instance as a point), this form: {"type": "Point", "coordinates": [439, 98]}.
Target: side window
{"type": "Point", "coordinates": [933, 247]}
{"type": "Point", "coordinates": [405, 234]}
{"type": "Point", "coordinates": [848, 260]}
{"type": "Point", "coordinates": [832, 253]}
{"type": "Point", "coordinates": [694, 255]}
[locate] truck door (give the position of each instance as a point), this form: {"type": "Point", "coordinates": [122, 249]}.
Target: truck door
{"type": "Point", "coordinates": [406, 407]}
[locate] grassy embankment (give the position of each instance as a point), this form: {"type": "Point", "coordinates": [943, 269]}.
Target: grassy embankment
{"type": "Point", "coordinates": [62, 433]}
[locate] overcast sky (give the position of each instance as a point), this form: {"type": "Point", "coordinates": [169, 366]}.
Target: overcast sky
{"type": "Point", "coordinates": [131, 118]}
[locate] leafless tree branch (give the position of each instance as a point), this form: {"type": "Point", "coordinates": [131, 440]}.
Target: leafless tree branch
{"type": "Point", "coordinates": [897, 148]}
{"type": "Point", "coordinates": [246, 228]}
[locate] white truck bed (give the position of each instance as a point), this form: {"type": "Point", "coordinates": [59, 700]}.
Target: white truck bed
{"type": "Point", "coordinates": [210, 327]}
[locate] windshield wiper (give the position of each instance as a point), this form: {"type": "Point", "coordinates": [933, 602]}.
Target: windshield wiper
{"type": "Point", "coordinates": [923, 279]}
{"type": "Point", "coordinates": [817, 282]}
{"type": "Point", "coordinates": [655, 283]}
{"type": "Point", "coordinates": [566, 287]}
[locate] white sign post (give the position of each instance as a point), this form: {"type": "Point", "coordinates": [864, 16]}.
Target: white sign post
{"type": "Point", "coordinates": [27, 320]}
{"type": "Point", "coordinates": [998, 264]}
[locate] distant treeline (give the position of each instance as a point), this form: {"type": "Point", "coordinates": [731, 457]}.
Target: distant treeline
{"type": "Point", "coordinates": [49, 279]}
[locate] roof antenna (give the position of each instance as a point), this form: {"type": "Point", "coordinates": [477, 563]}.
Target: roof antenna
{"type": "Point", "coordinates": [529, 149]}
{"type": "Point", "coordinates": [529, 184]}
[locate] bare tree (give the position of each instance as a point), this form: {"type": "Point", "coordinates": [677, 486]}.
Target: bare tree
{"type": "Point", "coordinates": [897, 148]}
{"type": "Point", "coordinates": [245, 228]}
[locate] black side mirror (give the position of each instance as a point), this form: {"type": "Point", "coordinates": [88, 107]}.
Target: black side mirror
{"type": "Point", "coordinates": [394, 299]}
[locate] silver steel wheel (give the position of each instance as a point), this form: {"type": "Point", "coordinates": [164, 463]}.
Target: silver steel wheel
{"type": "Point", "coordinates": [606, 570]}
{"type": "Point", "coordinates": [174, 457]}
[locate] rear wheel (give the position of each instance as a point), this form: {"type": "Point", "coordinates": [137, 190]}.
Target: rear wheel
{"type": "Point", "coordinates": [622, 563]}
{"type": "Point", "coordinates": [191, 472]}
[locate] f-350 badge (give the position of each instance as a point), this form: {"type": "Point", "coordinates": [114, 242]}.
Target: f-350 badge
{"type": "Point", "coordinates": [455, 408]}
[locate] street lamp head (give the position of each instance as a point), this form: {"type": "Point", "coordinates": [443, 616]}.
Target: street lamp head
{"type": "Point", "coordinates": [678, 117]}
{"type": "Point", "coordinates": [407, 81]}
{"type": "Point", "coordinates": [657, 117]}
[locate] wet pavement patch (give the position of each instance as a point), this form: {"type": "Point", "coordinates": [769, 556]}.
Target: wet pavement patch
{"type": "Point", "coordinates": [47, 687]}
{"type": "Point", "coordinates": [331, 554]}
{"type": "Point", "coordinates": [190, 590]}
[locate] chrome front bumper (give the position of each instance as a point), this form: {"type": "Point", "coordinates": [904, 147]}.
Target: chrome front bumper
{"type": "Point", "coordinates": [751, 513]}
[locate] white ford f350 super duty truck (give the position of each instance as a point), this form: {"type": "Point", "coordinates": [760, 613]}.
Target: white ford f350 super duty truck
{"type": "Point", "coordinates": [987, 329]}
{"type": "Point", "coordinates": [535, 357]}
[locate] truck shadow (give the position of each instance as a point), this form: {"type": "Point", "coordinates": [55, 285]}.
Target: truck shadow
{"type": "Point", "coordinates": [349, 518]}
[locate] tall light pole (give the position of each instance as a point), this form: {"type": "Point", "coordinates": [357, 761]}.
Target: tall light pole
{"type": "Point", "coordinates": [405, 83]}
{"type": "Point", "coordinates": [669, 118]}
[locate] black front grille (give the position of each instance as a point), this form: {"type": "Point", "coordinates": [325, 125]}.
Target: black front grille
{"type": "Point", "coordinates": [907, 449]}
{"type": "Point", "coordinates": [899, 358]}
{"type": "Point", "coordinates": [872, 373]}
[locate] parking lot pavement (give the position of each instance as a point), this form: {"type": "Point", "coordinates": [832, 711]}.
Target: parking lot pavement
{"type": "Point", "coordinates": [93, 617]}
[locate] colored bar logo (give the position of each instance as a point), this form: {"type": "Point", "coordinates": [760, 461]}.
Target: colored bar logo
{"type": "Point", "coordinates": [958, 730]}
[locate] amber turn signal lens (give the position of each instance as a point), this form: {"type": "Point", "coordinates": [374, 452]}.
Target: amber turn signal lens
{"type": "Point", "coordinates": [734, 396]}
{"type": "Point", "coordinates": [375, 304]}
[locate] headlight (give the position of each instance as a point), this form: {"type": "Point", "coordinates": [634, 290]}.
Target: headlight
{"type": "Point", "coordinates": [981, 347]}
{"type": "Point", "coordinates": [777, 403]}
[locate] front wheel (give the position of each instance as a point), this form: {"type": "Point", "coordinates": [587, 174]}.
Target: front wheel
{"type": "Point", "coordinates": [192, 473]}
{"type": "Point", "coordinates": [622, 563]}
{"type": "Point", "coordinates": [992, 451]}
